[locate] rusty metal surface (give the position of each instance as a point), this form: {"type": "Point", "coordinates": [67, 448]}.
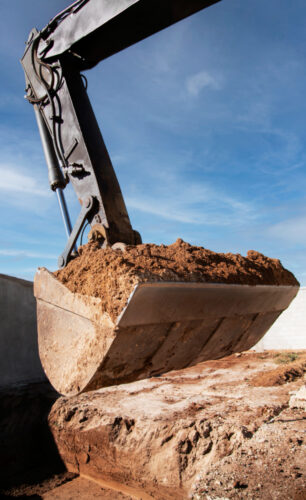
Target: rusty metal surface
{"type": "Point", "coordinates": [165, 326]}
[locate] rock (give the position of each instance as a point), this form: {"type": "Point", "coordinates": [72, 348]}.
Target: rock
{"type": "Point", "coordinates": [185, 447]}
{"type": "Point", "coordinates": [298, 399]}
{"type": "Point", "coordinates": [246, 433]}
{"type": "Point", "coordinates": [240, 485]}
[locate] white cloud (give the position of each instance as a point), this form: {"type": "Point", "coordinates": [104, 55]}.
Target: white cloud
{"type": "Point", "coordinates": [293, 230]}
{"type": "Point", "coordinates": [26, 254]}
{"type": "Point", "coordinates": [193, 204]}
{"type": "Point", "coordinates": [164, 209]}
{"type": "Point", "coordinates": [14, 181]}
{"type": "Point", "coordinates": [197, 82]}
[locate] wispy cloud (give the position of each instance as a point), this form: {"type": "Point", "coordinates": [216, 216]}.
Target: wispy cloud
{"type": "Point", "coordinates": [12, 180]}
{"type": "Point", "coordinates": [190, 203]}
{"type": "Point", "coordinates": [199, 81]}
{"type": "Point", "coordinates": [26, 254]}
{"type": "Point", "coordinates": [292, 230]}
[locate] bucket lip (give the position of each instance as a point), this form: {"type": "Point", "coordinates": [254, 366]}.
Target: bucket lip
{"type": "Point", "coordinates": [160, 295]}
{"type": "Point", "coordinates": [283, 294]}
{"type": "Point", "coordinates": [208, 284]}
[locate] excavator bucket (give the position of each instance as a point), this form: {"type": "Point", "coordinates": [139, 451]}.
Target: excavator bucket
{"type": "Point", "coordinates": [164, 326]}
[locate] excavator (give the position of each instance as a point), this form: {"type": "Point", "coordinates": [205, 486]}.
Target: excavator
{"type": "Point", "coordinates": [164, 325]}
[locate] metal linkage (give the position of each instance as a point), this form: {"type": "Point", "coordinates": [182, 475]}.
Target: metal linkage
{"type": "Point", "coordinates": [87, 206]}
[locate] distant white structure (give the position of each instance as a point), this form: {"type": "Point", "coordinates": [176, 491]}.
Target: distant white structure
{"type": "Point", "coordinates": [289, 330]}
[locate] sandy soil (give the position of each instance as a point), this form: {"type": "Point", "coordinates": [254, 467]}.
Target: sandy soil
{"type": "Point", "coordinates": [112, 275]}
{"type": "Point", "coordinates": [66, 487]}
{"type": "Point", "coordinates": [207, 432]}
{"type": "Point", "coordinates": [220, 430]}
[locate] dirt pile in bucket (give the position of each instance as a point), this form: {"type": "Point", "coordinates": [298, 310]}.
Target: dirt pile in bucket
{"type": "Point", "coordinates": [112, 274]}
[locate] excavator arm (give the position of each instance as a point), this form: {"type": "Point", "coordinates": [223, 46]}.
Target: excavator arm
{"type": "Point", "coordinates": [163, 325]}
{"type": "Point", "coordinates": [77, 39]}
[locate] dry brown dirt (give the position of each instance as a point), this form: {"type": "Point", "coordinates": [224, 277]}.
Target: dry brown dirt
{"type": "Point", "coordinates": [66, 486]}
{"type": "Point", "coordinates": [206, 432]}
{"type": "Point", "coordinates": [287, 372]}
{"type": "Point", "coordinates": [112, 274]}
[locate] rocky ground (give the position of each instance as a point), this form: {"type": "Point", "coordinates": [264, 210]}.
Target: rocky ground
{"type": "Point", "coordinates": [227, 429]}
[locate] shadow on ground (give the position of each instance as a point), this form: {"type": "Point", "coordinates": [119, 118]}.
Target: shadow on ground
{"type": "Point", "coordinates": [28, 454]}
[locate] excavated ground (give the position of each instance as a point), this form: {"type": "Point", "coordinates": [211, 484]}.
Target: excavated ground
{"type": "Point", "coordinates": [210, 431]}
{"type": "Point", "coordinates": [220, 430]}
{"type": "Point", "coordinates": [112, 274]}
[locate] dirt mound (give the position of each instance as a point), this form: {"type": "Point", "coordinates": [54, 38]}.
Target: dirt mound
{"type": "Point", "coordinates": [191, 434]}
{"type": "Point", "coordinates": [112, 274]}
{"type": "Point", "coordinates": [280, 375]}
{"type": "Point", "coordinates": [199, 433]}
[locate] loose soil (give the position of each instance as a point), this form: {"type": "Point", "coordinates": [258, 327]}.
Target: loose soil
{"type": "Point", "coordinates": [201, 433]}
{"type": "Point", "coordinates": [282, 374]}
{"type": "Point", "coordinates": [113, 274]}
{"type": "Point", "coordinates": [67, 486]}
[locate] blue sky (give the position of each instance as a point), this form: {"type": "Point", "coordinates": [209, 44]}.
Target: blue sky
{"type": "Point", "coordinates": [205, 124]}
